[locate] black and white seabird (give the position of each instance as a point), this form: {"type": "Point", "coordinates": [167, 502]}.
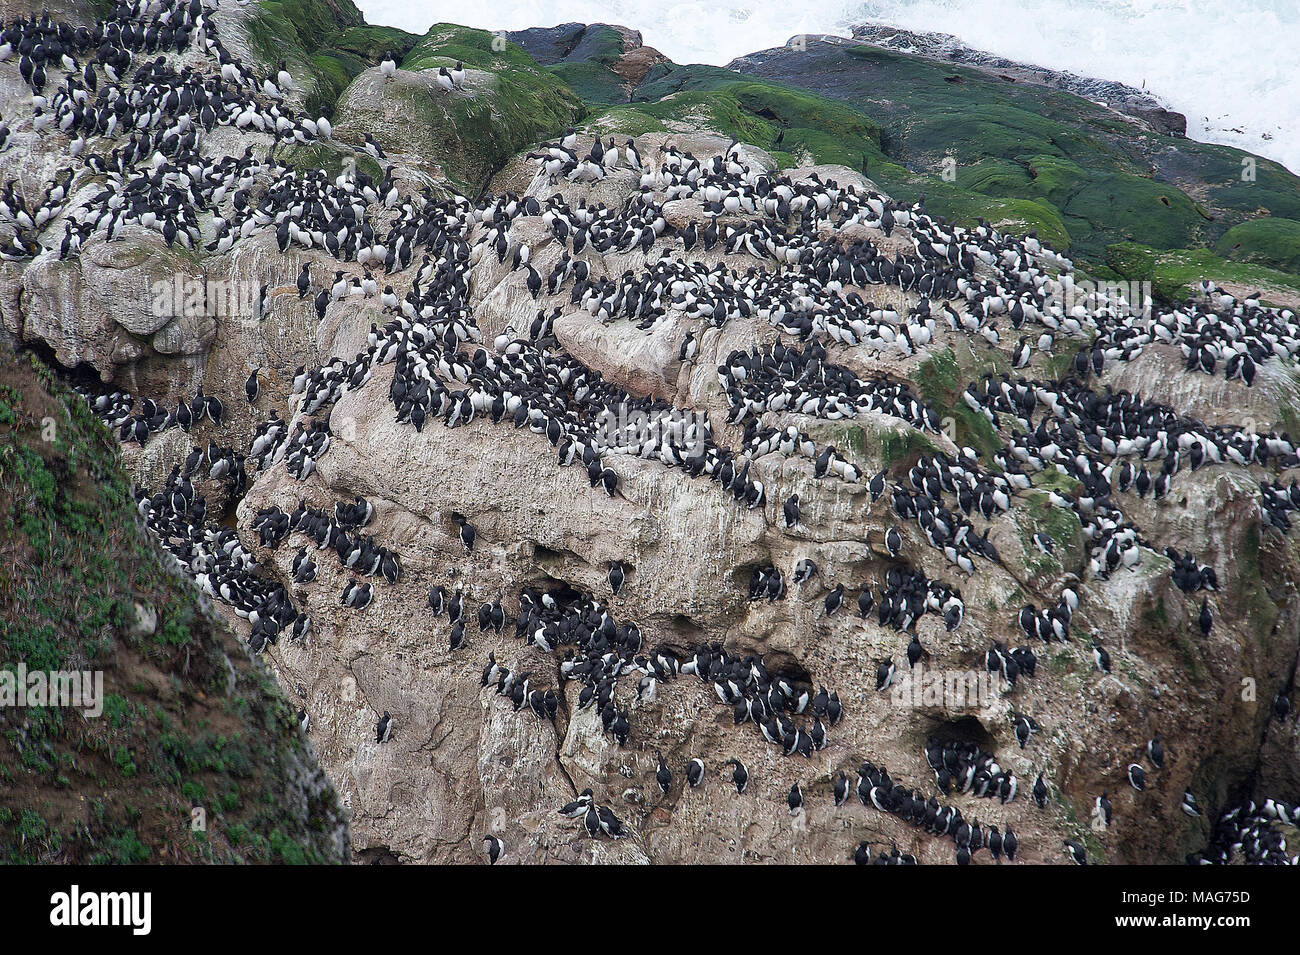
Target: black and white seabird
{"type": "Point", "coordinates": [663, 776]}
{"type": "Point", "coordinates": [791, 510]}
{"type": "Point", "coordinates": [1100, 658]}
{"type": "Point", "coordinates": [794, 799]}
{"type": "Point", "coordinates": [1102, 809]}
{"type": "Point", "coordinates": [695, 772]}
{"type": "Point", "coordinates": [739, 775]}
{"type": "Point", "coordinates": [467, 532]}
{"type": "Point", "coordinates": [1156, 751]}
{"type": "Point", "coordinates": [840, 788]}
{"type": "Point", "coordinates": [884, 674]}
{"type": "Point", "coordinates": [578, 807]}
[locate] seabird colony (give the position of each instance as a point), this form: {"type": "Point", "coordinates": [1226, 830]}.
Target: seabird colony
{"type": "Point", "coordinates": [135, 99]}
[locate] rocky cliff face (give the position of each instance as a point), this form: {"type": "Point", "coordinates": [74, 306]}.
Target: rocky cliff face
{"type": "Point", "coordinates": [460, 760]}
{"type": "Point", "coordinates": [463, 762]}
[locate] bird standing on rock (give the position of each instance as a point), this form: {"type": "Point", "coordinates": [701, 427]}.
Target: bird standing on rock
{"type": "Point", "coordinates": [739, 775]}
{"type": "Point", "coordinates": [791, 510]}
{"type": "Point", "coordinates": [663, 776]}
{"type": "Point", "coordinates": [467, 532]}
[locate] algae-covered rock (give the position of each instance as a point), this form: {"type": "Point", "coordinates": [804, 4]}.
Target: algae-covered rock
{"type": "Point", "coordinates": [1177, 273]}
{"type": "Point", "coordinates": [325, 43]}
{"type": "Point", "coordinates": [508, 103]}
{"type": "Point", "coordinates": [462, 761]}
{"type": "Point", "coordinates": [1110, 172]}
{"type": "Point", "coordinates": [1268, 241]}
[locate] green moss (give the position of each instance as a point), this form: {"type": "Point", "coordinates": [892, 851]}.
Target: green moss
{"type": "Point", "coordinates": [804, 126]}
{"type": "Point", "coordinates": [937, 376]}
{"type": "Point", "coordinates": [333, 73]}
{"type": "Point", "coordinates": [329, 157]}
{"type": "Point", "coordinates": [939, 380]}
{"type": "Point", "coordinates": [1122, 206]}
{"type": "Point", "coordinates": [1059, 198]}
{"type": "Point", "coordinates": [1050, 479]}
{"type": "Point", "coordinates": [371, 43]}
{"type": "Point", "coordinates": [1272, 191]}
{"type": "Point", "coordinates": [76, 558]}
{"type": "Point", "coordinates": [595, 83]}
{"type": "Point", "coordinates": [897, 445]}
{"type": "Point", "coordinates": [468, 137]}
{"type": "Point", "coordinates": [1132, 261]}
{"type": "Point", "coordinates": [625, 120]}
{"type": "Point", "coordinates": [1174, 274]}
{"type": "Point", "coordinates": [1271, 242]}
{"type": "Point", "coordinates": [325, 43]}
{"type": "Point", "coordinates": [589, 71]}
{"type": "Point", "coordinates": [1102, 175]}
{"type": "Point", "coordinates": [444, 43]}
{"type": "Point", "coordinates": [1061, 524]}
{"type": "Point", "coordinates": [311, 22]}
{"type": "Point", "coordinates": [1015, 216]}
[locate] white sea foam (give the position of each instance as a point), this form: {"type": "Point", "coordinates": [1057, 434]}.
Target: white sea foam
{"type": "Point", "coordinates": [1229, 65]}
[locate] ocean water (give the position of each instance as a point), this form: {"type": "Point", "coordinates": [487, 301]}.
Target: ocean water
{"type": "Point", "coordinates": [1229, 65]}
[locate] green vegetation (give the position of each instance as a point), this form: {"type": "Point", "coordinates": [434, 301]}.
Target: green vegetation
{"type": "Point", "coordinates": [593, 77]}
{"type": "Point", "coordinates": [329, 157]}
{"type": "Point", "coordinates": [512, 104]}
{"type": "Point", "coordinates": [1174, 274]}
{"type": "Point", "coordinates": [1271, 242]}
{"type": "Point", "coordinates": [184, 710]}
{"type": "Point", "coordinates": [1060, 524]}
{"type": "Point", "coordinates": [1023, 157]}
{"type": "Point", "coordinates": [625, 120]}
{"type": "Point", "coordinates": [1106, 178]}
{"type": "Point", "coordinates": [898, 445]}
{"type": "Point", "coordinates": [325, 44]}
{"type": "Point", "coordinates": [371, 43]}
{"type": "Point", "coordinates": [938, 379]}
{"type": "Point", "coordinates": [794, 125]}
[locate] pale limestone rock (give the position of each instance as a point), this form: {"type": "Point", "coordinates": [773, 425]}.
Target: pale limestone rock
{"type": "Point", "coordinates": [461, 763]}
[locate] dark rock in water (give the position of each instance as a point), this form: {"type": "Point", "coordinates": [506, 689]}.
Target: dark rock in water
{"type": "Point", "coordinates": [549, 45]}
{"type": "Point", "coordinates": [602, 62]}
{"type": "Point", "coordinates": [1163, 120]}
{"type": "Point", "coordinates": [576, 42]}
